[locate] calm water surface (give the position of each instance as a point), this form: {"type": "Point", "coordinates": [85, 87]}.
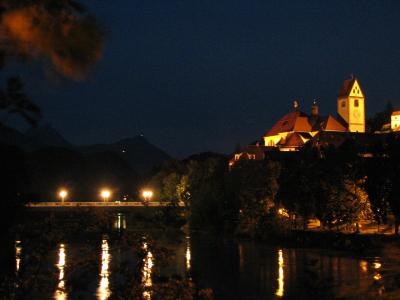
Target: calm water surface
{"type": "Point", "coordinates": [233, 269]}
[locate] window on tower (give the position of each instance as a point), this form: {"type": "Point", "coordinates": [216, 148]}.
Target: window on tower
{"type": "Point", "coordinates": [356, 103]}
{"type": "Point", "coordinates": [343, 104]}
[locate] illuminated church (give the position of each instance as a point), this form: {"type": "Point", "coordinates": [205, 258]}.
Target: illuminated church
{"type": "Point", "coordinates": [296, 129]}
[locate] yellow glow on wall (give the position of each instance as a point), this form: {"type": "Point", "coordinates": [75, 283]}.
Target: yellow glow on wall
{"type": "Point", "coordinates": [272, 140]}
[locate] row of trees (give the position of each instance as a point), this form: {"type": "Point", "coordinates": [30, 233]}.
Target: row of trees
{"type": "Point", "coordinates": [339, 187]}
{"type": "Point", "coordinates": [329, 188]}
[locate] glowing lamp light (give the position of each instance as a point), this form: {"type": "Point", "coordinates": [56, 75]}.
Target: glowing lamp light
{"type": "Point", "coordinates": [147, 194]}
{"type": "Point", "coordinates": [283, 212]}
{"type": "Point", "coordinates": [105, 194]}
{"type": "Point", "coordinates": [63, 194]}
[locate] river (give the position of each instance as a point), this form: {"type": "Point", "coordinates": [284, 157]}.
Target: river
{"type": "Point", "coordinates": [233, 269]}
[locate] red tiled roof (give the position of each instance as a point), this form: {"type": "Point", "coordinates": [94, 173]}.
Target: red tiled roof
{"type": "Point", "coordinates": [302, 124]}
{"type": "Point", "coordinates": [396, 113]}
{"type": "Point", "coordinates": [281, 142]}
{"type": "Point", "coordinates": [294, 140]}
{"type": "Point", "coordinates": [331, 124]}
{"type": "Point", "coordinates": [346, 87]}
{"type": "Point", "coordinates": [299, 122]}
{"type": "Point", "coordinates": [288, 122]}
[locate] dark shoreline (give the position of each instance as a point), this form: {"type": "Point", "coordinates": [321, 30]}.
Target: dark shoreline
{"type": "Point", "coordinates": [354, 242]}
{"type": "Point", "coordinates": [331, 240]}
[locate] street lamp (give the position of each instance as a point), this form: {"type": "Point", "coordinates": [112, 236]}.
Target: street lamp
{"type": "Point", "coordinates": [63, 194]}
{"type": "Point", "coordinates": [147, 194]}
{"type": "Point", "coordinates": [105, 194]}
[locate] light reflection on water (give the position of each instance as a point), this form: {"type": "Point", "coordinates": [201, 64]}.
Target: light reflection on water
{"type": "Point", "coordinates": [147, 282]}
{"type": "Point", "coordinates": [188, 254]}
{"type": "Point", "coordinates": [234, 270]}
{"type": "Point", "coordinates": [241, 258]}
{"type": "Point", "coordinates": [103, 291]}
{"type": "Point", "coordinates": [377, 265]}
{"type": "Point", "coordinates": [60, 293]}
{"type": "Point", "coordinates": [120, 221]}
{"type": "Point", "coordinates": [280, 291]}
{"type": "Point", "coordinates": [364, 266]}
{"type": "Point", "coordinates": [378, 276]}
{"type": "Point", "coordinates": [18, 250]}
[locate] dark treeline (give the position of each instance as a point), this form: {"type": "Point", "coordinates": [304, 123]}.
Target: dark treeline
{"type": "Point", "coordinates": [337, 186]}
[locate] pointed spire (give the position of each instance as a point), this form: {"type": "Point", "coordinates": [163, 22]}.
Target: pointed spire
{"type": "Point", "coordinates": [314, 108]}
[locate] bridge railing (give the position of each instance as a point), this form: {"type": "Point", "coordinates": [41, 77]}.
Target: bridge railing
{"type": "Point", "coordinates": [102, 204]}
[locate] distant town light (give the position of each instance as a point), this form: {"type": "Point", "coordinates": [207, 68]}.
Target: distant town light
{"type": "Point", "coordinates": [147, 194]}
{"type": "Point", "coordinates": [105, 194]}
{"type": "Point", "coordinates": [63, 194]}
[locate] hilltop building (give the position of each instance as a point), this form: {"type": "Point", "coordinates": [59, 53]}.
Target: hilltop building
{"type": "Point", "coordinates": [296, 129]}
{"type": "Point", "coordinates": [395, 121]}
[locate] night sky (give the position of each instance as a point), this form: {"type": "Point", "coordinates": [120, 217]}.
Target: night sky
{"type": "Point", "coordinates": [206, 75]}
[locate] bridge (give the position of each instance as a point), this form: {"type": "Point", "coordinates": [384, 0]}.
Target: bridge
{"type": "Point", "coordinates": [101, 204]}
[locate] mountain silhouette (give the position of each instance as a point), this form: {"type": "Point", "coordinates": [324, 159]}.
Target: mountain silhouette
{"type": "Point", "coordinates": [137, 151]}
{"type": "Point", "coordinates": [46, 136]}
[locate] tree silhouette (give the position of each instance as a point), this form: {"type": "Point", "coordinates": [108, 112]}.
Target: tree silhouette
{"type": "Point", "coordinates": [13, 100]}
{"type": "Point", "coordinates": [61, 32]}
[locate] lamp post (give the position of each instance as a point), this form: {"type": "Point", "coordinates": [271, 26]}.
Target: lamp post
{"type": "Point", "coordinates": [147, 195]}
{"type": "Point", "coordinates": [63, 194]}
{"type": "Point", "coordinates": [105, 194]}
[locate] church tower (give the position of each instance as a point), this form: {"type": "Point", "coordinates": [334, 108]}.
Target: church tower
{"type": "Point", "coordinates": [351, 105]}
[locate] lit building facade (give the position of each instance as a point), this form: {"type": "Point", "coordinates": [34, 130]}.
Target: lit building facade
{"type": "Point", "coordinates": [351, 105]}
{"type": "Point", "coordinates": [395, 121]}
{"type": "Point", "coordinates": [296, 128]}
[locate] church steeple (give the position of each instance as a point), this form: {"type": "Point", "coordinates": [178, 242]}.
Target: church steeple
{"type": "Point", "coordinates": [351, 105]}
{"type": "Point", "coordinates": [314, 109]}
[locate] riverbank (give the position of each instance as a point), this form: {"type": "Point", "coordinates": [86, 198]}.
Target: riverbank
{"type": "Point", "coordinates": [340, 241]}
{"type": "Point", "coordinates": [363, 243]}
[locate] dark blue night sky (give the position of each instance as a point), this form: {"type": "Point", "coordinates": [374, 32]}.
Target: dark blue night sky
{"type": "Point", "coordinates": [205, 75]}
